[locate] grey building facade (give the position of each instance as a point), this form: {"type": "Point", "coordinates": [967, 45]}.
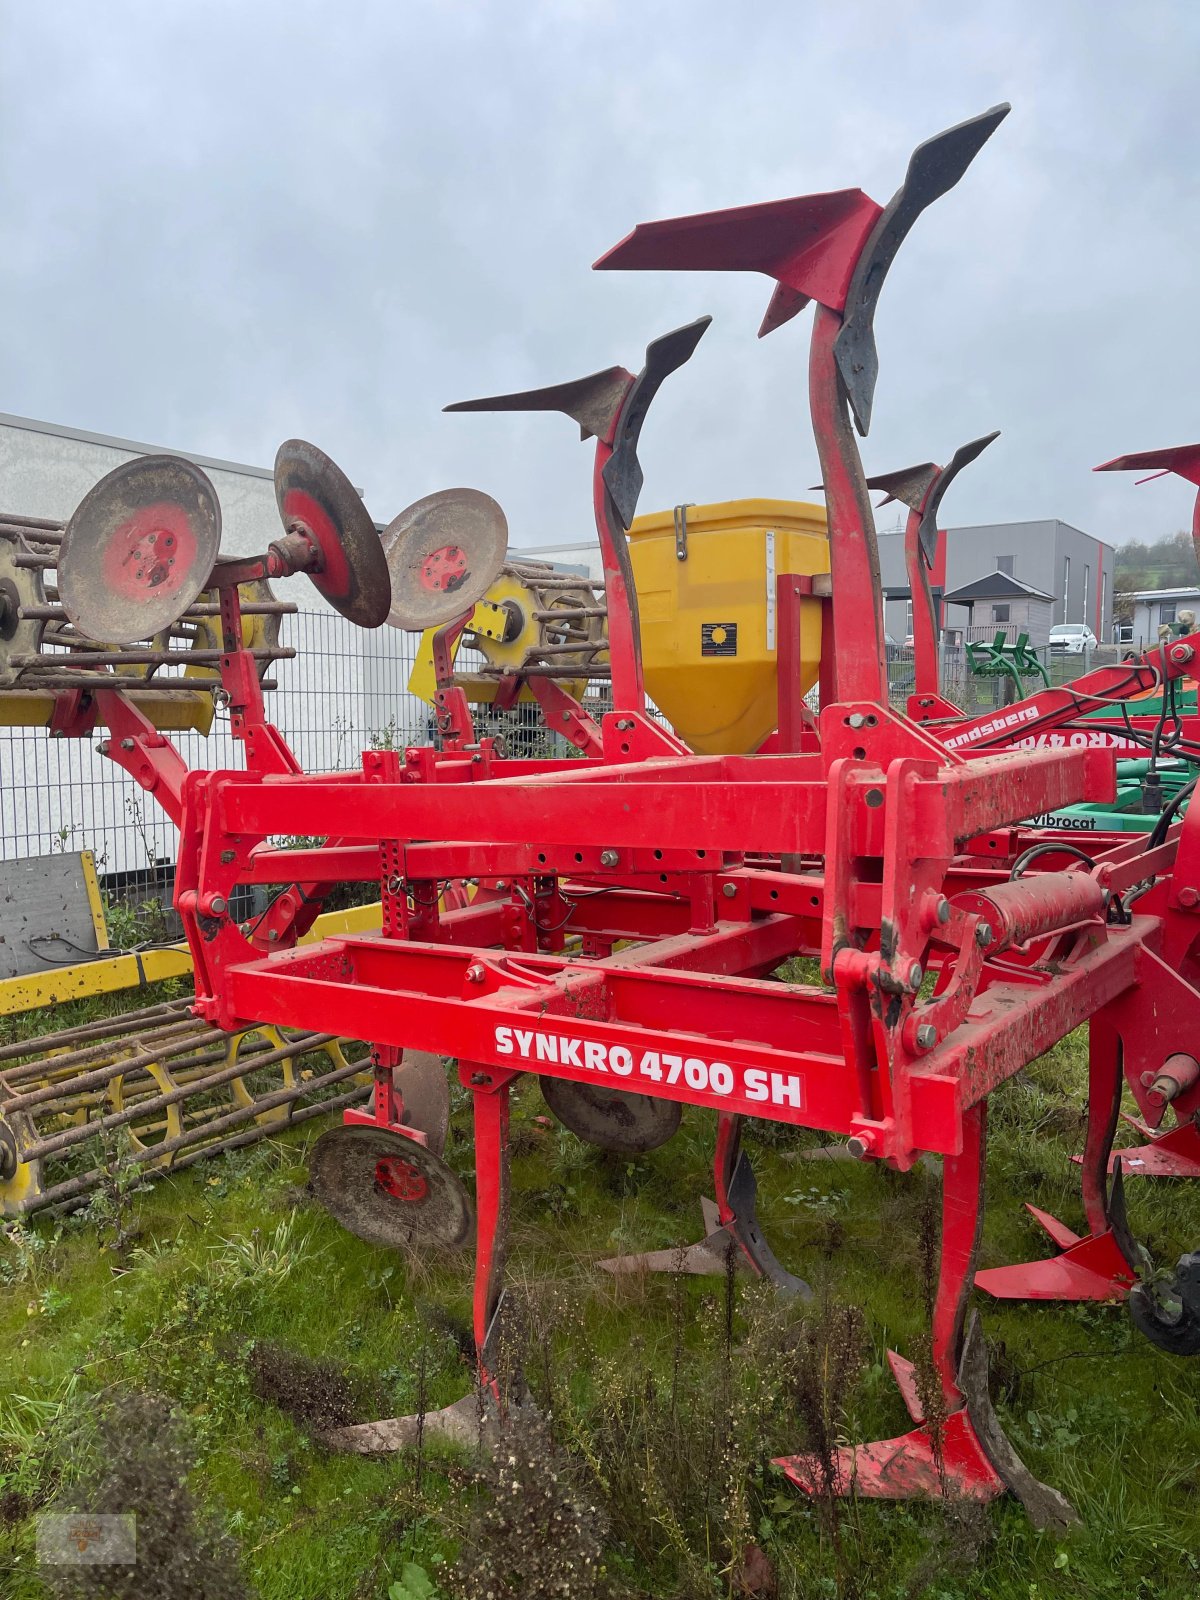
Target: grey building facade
{"type": "Point", "coordinates": [1049, 555]}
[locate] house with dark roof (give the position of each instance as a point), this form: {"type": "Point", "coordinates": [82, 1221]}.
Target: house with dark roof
{"type": "Point", "coordinates": [998, 601]}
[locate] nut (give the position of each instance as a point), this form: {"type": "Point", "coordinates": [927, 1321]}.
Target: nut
{"type": "Point", "coordinates": [609, 858]}
{"type": "Point", "coordinates": [856, 719]}
{"type": "Point", "coordinates": [860, 1146]}
{"type": "Point", "coordinates": [1189, 896]}
{"type": "Point", "coordinates": [729, 890]}
{"type": "Point", "coordinates": [476, 972]}
{"type": "Point", "coordinates": [126, 744]}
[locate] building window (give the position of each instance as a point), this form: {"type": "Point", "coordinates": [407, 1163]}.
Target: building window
{"type": "Point", "coordinates": [1005, 564]}
{"type": "Point", "coordinates": [999, 613]}
{"type": "Point", "coordinates": [1066, 599]}
{"type": "Point", "coordinates": [1166, 613]}
{"type": "Point", "coordinates": [1104, 601]}
{"type": "Point", "coordinates": [908, 620]}
{"type": "Point", "coordinates": [1087, 583]}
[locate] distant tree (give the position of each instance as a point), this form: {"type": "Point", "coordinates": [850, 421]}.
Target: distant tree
{"type": "Point", "coordinates": [1166, 563]}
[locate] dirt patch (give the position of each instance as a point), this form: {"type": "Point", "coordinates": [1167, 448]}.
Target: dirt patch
{"type": "Point", "coordinates": [317, 1395]}
{"type": "Point", "coordinates": [14, 1508]}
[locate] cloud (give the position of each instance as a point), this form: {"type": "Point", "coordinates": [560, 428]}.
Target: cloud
{"type": "Point", "coordinates": [228, 224]}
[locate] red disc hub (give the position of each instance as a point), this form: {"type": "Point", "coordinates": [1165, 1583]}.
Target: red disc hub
{"type": "Point", "coordinates": [445, 570]}
{"type": "Point", "coordinates": [400, 1179]}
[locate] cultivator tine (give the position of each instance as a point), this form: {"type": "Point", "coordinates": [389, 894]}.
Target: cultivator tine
{"type": "Point", "coordinates": [1090, 1267]}
{"type": "Point", "coordinates": [964, 1455]}
{"type": "Point", "coordinates": [961, 458]}
{"type": "Point", "coordinates": [1173, 1154]}
{"type": "Point", "coordinates": [593, 402]}
{"type": "Point", "coordinates": [909, 485]}
{"type": "Point", "coordinates": [623, 471]}
{"type": "Point", "coordinates": [709, 1258]}
{"type": "Point", "coordinates": [1183, 459]}
{"type": "Point", "coordinates": [807, 244]}
{"type": "Point", "coordinates": [731, 1228]}
{"type": "Point", "coordinates": [933, 169]}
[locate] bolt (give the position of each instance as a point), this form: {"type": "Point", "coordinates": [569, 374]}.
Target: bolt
{"type": "Point", "coordinates": [102, 748]}
{"type": "Point", "coordinates": [856, 719]}
{"type": "Point", "coordinates": [915, 974]}
{"type": "Point", "coordinates": [480, 1078]}
{"type": "Point", "coordinates": [943, 910]}
{"type": "Point", "coordinates": [984, 935]}
{"type": "Point", "coordinates": [1188, 896]}
{"type": "Point", "coordinates": [216, 906]}
{"type": "Point", "coordinates": [227, 856]}
{"type": "Point", "coordinates": [609, 858]}
{"type": "Point", "coordinates": [729, 890]}
{"type": "Point", "coordinates": [476, 972]}
{"type": "Point", "coordinates": [1181, 653]}
{"type": "Point", "coordinates": [273, 936]}
{"type": "Point", "coordinates": [126, 744]}
{"type": "Point", "coordinates": [926, 1036]}
{"type": "Point", "coordinates": [861, 1145]}
{"type": "Point", "coordinates": [244, 930]}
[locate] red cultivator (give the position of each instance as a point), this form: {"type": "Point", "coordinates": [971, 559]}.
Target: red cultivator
{"type": "Point", "coordinates": [633, 904]}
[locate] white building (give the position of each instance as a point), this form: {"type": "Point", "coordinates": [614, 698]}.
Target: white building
{"type": "Point", "coordinates": [1153, 609]}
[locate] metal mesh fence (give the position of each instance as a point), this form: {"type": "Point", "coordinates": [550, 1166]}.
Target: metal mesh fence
{"type": "Point", "coordinates": [346, 690]}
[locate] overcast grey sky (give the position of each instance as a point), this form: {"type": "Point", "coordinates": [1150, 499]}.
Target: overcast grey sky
{"type": "Point", "coordinates": [227, 223]}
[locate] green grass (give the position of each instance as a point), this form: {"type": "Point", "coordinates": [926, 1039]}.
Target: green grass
{"type": "Point", "coordinates": [234, 1254]}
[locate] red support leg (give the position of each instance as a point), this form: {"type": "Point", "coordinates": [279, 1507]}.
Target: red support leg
{"type": "Point", "coordinates": [1092, 1266]}
{"type": "Point", "coordinates": [490, 1107]}
{"type": "Point", "coordinates": [463, 1421]}
{"type": "Point", "coordinates": [946, 1459]}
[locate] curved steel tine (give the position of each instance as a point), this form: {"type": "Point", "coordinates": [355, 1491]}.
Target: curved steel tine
{"type": "Point", "coordinates": [909, 485]}
{"type": "Point", "coordinates": [623, 475]}
{"type": "Point", "coordinates": [593, 402]}
{"type": "Point", "coordinates": [934, 167]}
{"type": "Point", "coordinates": [962, 457]}
{"type": "Point", "coordinates": [744, 1226]}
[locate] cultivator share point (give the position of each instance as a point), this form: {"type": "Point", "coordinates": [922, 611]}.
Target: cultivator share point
{"type": "Point", "coordinates": [632, 905]}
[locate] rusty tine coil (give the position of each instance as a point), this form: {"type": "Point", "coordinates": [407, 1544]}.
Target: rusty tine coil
{"type": "Point", "coordinates": [55, 1143]}
{"type": "Point", "coordinates": [74, 1188]}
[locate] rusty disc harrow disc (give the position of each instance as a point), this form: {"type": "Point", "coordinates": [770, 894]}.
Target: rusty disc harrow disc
{"type": "Point", "coordinates": [389, 1190]}
{"type": "Point", "coordinates": [312, 489]}
{"type": "Point", "coordinates": [425, 1089]}
{"type": "Point", "coordinates": [444, 553]}
{"type": "Point", "coordinates": [611, 1119]}
{"type": "Point", "coordinates": [139, 549]}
